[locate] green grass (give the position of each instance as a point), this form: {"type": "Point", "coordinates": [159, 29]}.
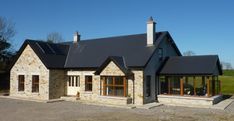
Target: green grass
{"type": "Point", "coordinates": [228, 73]}
{"type": "Point", "coordinates": [227, 82]}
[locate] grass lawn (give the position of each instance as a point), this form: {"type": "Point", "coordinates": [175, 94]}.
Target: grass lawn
{"type": "Point", "coordinates": [227, 82]}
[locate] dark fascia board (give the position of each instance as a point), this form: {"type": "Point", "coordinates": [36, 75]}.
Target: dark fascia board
{"type": "Point", "coordinates": [16, 57]}
{"type": "Point", "coordinates": [27, 42]}
{"type": "Point", "coordinates": [219, 67]}
{"type": "Point", "coordinates": [35, 51]}
{"type": "Point", "coordinates": [82, 68]}
{"type": "Point", "coordinates": [174, 44]}
{"type": "Point", "coordinates": [136, 67]}
{"type": "Point", "coordinates": [162, 65]}
{"type": "Point", "coordinates": [24, 45]}
{"type": "Point", "coordinates": [105, 63]}
{"type": "Point", "coordinates": [197, 74]}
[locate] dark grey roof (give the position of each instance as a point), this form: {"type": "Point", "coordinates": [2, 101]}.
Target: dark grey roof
{"type": "Point", "coordinates": [119, 61]}
{"type": "Point", "coordinates": [191, 65]}
{"type": "Point", "coordinates": [51, 55]}
{"type": "Point", "coordinates": [92, 53]}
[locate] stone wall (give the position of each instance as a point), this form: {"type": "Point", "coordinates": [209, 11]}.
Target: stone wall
{"type": "Point", "coordinates": [138, 88]}
{"type": "Point", "coordinates": [135, 86]}
{"type": "Point", "coordinates": [29, 64]}
{"type": "Point", "coordinates": [57, 83]}
{"type": "Point", "coordinates": [188, 101]}
{"type": "Point", "coordinates": [112, 69]}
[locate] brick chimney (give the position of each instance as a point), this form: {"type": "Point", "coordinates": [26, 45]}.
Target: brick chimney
{"type": "Point", "coordinates": [76, 38]}
{"type": "Point", "coordinates": [150, 32]}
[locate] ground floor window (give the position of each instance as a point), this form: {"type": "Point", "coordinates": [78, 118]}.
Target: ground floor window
{"type": "Point", "coordinates": [190, 85]}
{"type": "Point", "coordinates": [148, 86]}
{"type": "Point", "coordinates": [74, 81]}
{"type": "Point", "coordinates": [114, 86]}
{"type": "Point", "coordinates": [88, 83]}
{"type": "Point", "coordinates": [35, 83]}
{"type": "Point", "coordinates": [21, 83]}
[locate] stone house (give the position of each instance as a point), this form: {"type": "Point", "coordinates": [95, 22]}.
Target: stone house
{"type": "Point", "coordinates": [132, 69]}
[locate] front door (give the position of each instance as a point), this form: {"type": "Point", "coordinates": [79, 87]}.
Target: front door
{"type": "Point", "coordinates": [73, 85]}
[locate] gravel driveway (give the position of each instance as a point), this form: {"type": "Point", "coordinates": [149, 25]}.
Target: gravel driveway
{"type": "Point", "coordinates": [17, 110]}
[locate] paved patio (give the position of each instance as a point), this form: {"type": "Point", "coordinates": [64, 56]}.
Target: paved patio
{"type": "Point", "coordinates": [18, 110]}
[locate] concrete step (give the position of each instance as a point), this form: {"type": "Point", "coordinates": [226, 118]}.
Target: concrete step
{"type": "Point", "coordinates": [69, 98]}
{"type": "Point", "coordinates": [223, 104]}
{"type": "Point", "coordinates": [149, 105]}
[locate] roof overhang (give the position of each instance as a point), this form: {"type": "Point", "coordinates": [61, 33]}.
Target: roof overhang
{"type": "Point", "coordinates": [119, 62]}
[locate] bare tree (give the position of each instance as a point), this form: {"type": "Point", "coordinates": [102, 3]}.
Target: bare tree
{"type": "Point", "coordinates": [54, 37]}
{"type": "Point", "coordinates": [7, 31]}
{"type": "Point", "coordinates": [189, 53]}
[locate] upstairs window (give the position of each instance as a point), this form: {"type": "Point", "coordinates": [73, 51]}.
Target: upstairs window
{"type": "Point", "coordinates": [88, 83]}
{"type": "Point", "coordinates": [21, 83]}
{"type": "Point", "coordinates": [160, 53]}
{"type": "Point", "coordinates": [35, 83]}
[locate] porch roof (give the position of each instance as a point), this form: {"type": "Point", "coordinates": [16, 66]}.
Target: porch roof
{"type": "Point", "coordinates": [119, 61]}
{"type": "Point", "coordinates": [191, 65]}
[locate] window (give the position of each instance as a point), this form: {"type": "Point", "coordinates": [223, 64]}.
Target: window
{"type": "Point", "coordinates": [88, 83]}
{"type": "Point", "coordinates": [21, 83]}
{"type": "Point", "coordinates": [160, 53]}
{"type": "Point", "coordinates": [148, 86]}
{"type": "Point", "coordinates": [114, 86]}
{"type": "Point", "coordinates": [73, 81]}
{"type": "Point", "coordinates": [35, 83]}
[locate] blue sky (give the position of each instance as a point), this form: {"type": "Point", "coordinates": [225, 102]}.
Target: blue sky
{"type": "Point", "coordinates": [203, 26]}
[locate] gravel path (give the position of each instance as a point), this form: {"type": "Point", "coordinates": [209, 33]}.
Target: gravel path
{"type": "Point", "coordinates": [17, 110]}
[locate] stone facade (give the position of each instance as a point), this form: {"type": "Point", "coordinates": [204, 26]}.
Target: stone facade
{"type": "Point", "coordinates": [138, 87]}
{"type": "Point", "coordinates": [134, 91]}
{"type": "Point", "coordinates": [112, 69]}
{"type": "Point", "coordinates": [29, 64]}
{"type": "Point", "coordinates": [57, 83]}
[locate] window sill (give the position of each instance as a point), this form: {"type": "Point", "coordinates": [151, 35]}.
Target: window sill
{"type": "Point", "coordinates": [35, 93]}
{"type": "Point", "coordinates": [88, 92]}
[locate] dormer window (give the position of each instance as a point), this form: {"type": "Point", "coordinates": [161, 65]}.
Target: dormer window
{"type": "Point", "coordinates": [160, 53]}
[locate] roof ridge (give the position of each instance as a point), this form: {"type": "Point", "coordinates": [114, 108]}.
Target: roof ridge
{"type": "Point", "coordinates": [118, 36]}
{"type": "Point", "coordinates": [193, 56]}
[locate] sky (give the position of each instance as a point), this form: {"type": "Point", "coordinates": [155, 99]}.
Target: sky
{"type": "Point", "coordinates": [202, 26]}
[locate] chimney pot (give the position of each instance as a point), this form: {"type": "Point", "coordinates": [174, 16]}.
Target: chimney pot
{"type": "Point", "coordinates": [150, 31]}
{"type": "Point", "coordinates": [76, 38]}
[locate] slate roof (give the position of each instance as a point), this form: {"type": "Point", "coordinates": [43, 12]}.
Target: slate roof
{"type": "Point", "coordinates": [191, 65]}
{"type": "Point", "coordinates": [92, 53]}
{"type": "Point", "coordinates": [51, 55]}
{"type": "Point", "coordinates": [119, 61]}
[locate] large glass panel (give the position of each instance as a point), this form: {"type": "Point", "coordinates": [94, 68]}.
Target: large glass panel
{"type": "Point", "coordinates": [200, 88]}
{"type": "Point", "coordinates": [164, 85]}
{"type": "Point", "coordinates": [113, 86]}
{"type": "Point", "coordinates": [119, 91]}
{"type": "Point", "coordinates": [148, 84]}
{"type": "Point", "coordinates": [174, 85]}
{"type": "Point", "coordinates": [188, 86]}
{"type": "Point", "coordinates": [109, 80]}
{"type": "Point", "coordinates": [119, 80]}
{"type": "Point", "coordinates": [109, 90]}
